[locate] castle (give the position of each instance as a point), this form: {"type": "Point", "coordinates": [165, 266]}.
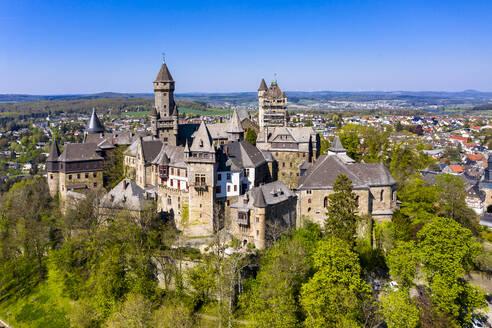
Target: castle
{"type": "Point", "coordinates": [207, 178]}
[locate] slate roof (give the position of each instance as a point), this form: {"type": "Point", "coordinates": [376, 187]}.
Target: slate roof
{"type": "Point", "coordinates": [264, 195]}
{"type": "Point", "coordinates": [234, 124]}
{"type": "Point", "coordinates": [323, 173]}
{"type": "Point", "coordinates": [172, 155]}
{"type": "Point", "coordinates": [79, 152]}
{"type": "Point", "coordinates": [235, 156]}
{"type": "Point", "coordinates": [336, 145]}
{"type": "Point", "coordinates": [95, 125]}
{"type": "Point", "coordinates": [202, 141]}
{"type": "Point", "coordinates": [218, 130]}
{"type": "Point", "coordinates": [263, 86]}
{"type": "Point", "coordinates": [151, 149]}
{"type": "Point", "coordinates": [274, 91]}
{"type": "Point", "coordinates": [54, 152]}
{"type": "Point", "coordinates": [164, 75]}
{"type": "Point", "coordinates": [115, 138]}
{"type": "Point", "coordinates": [125, 195]}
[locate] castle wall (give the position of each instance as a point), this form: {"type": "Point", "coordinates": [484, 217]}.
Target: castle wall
{"type": "Point", "coordinates": [311, 204]}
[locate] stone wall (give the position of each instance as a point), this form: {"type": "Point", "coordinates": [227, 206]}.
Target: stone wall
{"type": "Point", "coordinates": [201, 201]}
{"type": "Point", "coordinates": [312, 204]}
{"type": "Point", "coordinates": [288, 166]}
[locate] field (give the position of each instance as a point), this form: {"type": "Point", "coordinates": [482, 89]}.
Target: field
{"type": "Point", "coordinates": [184, 110]}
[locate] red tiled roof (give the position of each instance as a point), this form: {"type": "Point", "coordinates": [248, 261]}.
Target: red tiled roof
{"type": "Point", "coordinates": [457, 168]}
{"type": "Point", "coordinates": [458, 138]}
{"type": "Point", "coordinates": [475, 157]}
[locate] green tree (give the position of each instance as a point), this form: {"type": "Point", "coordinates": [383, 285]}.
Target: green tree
{"type": "Point", "coordinates": [271, 298]}
{"type": "Point", "coordinates": [349, 136]}
{"type": "Point", "coordinates": [251, 136]}
{"type": "Point", "coordinates": [201, 278]}
{"type": "Point", "coordinates": [452, 203]}
{"type": "Point", "coordinates": [399, 311]}
{"type": "Point", "coordinates": [135, 312]}
{"type": "Point", "coordinates": [333, 297]}
{"type": "Point", "coordinates": [447, 251]}
{"type": "Point", "coordinates": [341, 220]}
{"type": "Point", "coordinates": [402, 262]}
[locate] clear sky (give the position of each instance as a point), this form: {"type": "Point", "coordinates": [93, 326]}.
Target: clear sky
{"type": "Point", "coordinates": [54, 47]}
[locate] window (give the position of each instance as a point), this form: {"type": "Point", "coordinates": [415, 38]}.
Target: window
{"type": "Point", "coordinates": [357, 201]}
{"type": "Point", "coordinates": [95, 184]}
{"type": "Point", "coordinates": [257, 232]}
{"type": "Point", "coordinates": [172, 183]}
{"type": "Point", "coordinates": [246, 172]}
{"type": "Point", "coordinates": [290, 164]}
{"type": "Point", "coordinates": [51, 176]}
{"type": "Point", "coordinates": [78, 175]}
{"type": "Point", "coordinates": [283, 164]}
{"type": "Point", "coordinates": [218, 190]}
{"type": "Point", "coordinates": [228, 188]}
{"type": "Point", "coordinates": [309, 192]}
{"type": "Point", "coordinates": [219, 177]}
{"type": "Point", "coordinates": [94, 174]}
{"type": "Point", "coordinates": [172, 170]}
{"type": "Point", "coordinates": [309, 200]}
{"type": "Point", "coordinates": [69, 177]}
{"type": "Point", "coordinates": [325, 202]}
{"type": "Point", "coordinates": [381, 195]}
{"type": "Point", "coordinates": [87, 175]}
{"type": "Point", "coordinates": [235, 187]}
{"type": "Point", "coordinates": [169, 200]}
{"type": "Point", "coordinates": [303, 154]}
{"type": "Point", "coordinates": [202, 180]}
{"type": "Point", "coordinates": [257, 219]}
{"type": "Point", "coordinates": [228, 176]}
{"type": "Point", "coordinates": [309, 209]}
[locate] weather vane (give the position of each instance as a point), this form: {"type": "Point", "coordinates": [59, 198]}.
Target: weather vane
{"type": "Point", "coordinates": [275, 77]}
{"type": "Point", "coordinates": [163, 57]}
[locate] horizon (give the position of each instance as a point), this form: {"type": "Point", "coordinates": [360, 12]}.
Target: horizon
{"type": "Point", "coordinates": [236, 92]}
{"type": "Point", "coordinates": [72, 48]}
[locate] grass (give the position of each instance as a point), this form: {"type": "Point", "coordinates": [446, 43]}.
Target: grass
{"type": "Point", "coordinates": [45, 307]}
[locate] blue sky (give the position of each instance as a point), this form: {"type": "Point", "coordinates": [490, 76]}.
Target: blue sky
{"type": "Point", "coordinates": [53, 47]}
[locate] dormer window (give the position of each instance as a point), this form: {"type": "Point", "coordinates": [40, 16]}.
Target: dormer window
{"type": "Point", "coordinates": [201, 143]}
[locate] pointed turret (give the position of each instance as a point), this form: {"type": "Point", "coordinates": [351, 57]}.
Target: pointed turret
{"type": "Point", "coordinates": [95, 125]}
{"type": "Point", "coordinates": [263, 86]}
{"type": "Point", "coordinates": [54, 152]}
{"type": "Point", "coordinates": [187, 149]}
{"type": "Point", "coordinates": [164, 75]}
{"type": "Point", "coordinates": [336, 147]}
{"type": "Point", "coordinates": [202, 141]}
{"type": "Point", "coordinates": [258, 198]}
{"type": "Point", "coordinates": [235, 130]}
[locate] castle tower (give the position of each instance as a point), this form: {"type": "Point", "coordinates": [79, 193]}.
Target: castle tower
{"type": "Point", "coordinates": [164, 117]}
{"type": "Point", "coordinates": [235, 131]}
{"type": "Point", "coordinates": [200, 158]}
{"type": "Point", "coordinates": [53, 169]}
{"type": "Point", "coordinates": [272, 105]}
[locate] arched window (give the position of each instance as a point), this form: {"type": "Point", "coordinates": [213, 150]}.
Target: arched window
{"type": "Point", "coordinates": [325, 202]}
{"type": "Point", "coordinates": [309, 200]}
{"type": "Point", "coordinates": [381, 196]}
{"type": "Point", "coordinates": [309, 209]}
{"type": "Point", "coordinates": [357, 201]}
